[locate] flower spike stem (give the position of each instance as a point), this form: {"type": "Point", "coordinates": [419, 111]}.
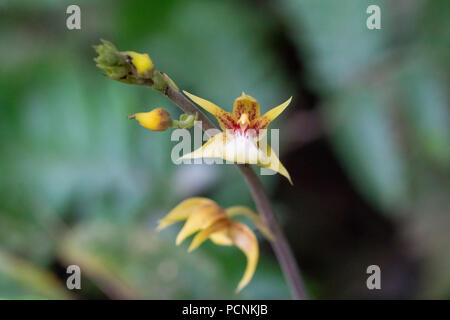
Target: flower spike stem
{"type": "Point", "coordinates": [280, 245]}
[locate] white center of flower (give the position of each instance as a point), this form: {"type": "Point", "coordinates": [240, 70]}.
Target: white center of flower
{"type": "Point", "coordinates": [242, 147]}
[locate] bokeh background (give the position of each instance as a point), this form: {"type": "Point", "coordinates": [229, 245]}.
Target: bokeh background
{"type": "Point", "coordinates": [366, 141]}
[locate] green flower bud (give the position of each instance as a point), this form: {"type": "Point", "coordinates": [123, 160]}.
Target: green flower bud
{"type": "Point", "coordinates": [111, 60]}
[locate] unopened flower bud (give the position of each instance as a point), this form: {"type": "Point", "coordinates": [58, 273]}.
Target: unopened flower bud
{"type": "Point", "coordinates": [131, 67]}
{"type": "Point", "coordinates": [156, 120]}
{"type": "Point", "coordinates": [141, 62]}
{"type": "Point", "coordinates": [127, 66]}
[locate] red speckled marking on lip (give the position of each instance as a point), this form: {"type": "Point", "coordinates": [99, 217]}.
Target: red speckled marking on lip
{"type": "Point", "coordinates": [228, 121]}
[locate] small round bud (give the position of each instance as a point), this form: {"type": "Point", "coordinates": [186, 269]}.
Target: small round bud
{"type": "Point", "coordinates": [156, 120]}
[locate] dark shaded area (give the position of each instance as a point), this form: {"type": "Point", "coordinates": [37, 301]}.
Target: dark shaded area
{"type": "Point", "coordinates": [337, 235]}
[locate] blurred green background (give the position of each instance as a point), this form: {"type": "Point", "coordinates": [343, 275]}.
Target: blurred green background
{"type": "Point", "coordinates": [366, 141]}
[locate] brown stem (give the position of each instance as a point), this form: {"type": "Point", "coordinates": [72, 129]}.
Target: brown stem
{"type": "Point", "coordinates": [280, 244]}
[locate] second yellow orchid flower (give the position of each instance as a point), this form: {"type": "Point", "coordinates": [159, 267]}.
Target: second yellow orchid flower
{"type": "Point", "coordinates": [240, 142]}
{"type": "Point", "coordinates": [206, 218]}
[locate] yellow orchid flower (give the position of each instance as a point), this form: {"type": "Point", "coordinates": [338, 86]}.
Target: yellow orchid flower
{"type": "Point", "coordinates": [206, 218]}
{"type": "Point", "coordinates": [240, 142]}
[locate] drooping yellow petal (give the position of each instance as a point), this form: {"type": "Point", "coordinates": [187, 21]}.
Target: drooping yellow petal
{"type": "Point", "coordinates": [274, 163]}
{"type": "Point", "coordinates": [245, 240]}
{"type": "Point", "coordinates": [203, 235]}
{"type": "Point", "coordinates": [230, 147]}
{"type": "Point", "coordinates": [229, 232]}
{"type": "Point", "coordinates": [264, 121]}
{"type": "Point", "coordinates": [202, 217]}
{"type": "Point", "coordinates": [254, 217]}
{"type": "Point", "coordinates": [225, 119]}
{"type": "Point", "coordinates": [183, 211]}
{"type": "Point", "coordinates": [246, 104]}
{"type": "Point", "coordinates": [221, 238]}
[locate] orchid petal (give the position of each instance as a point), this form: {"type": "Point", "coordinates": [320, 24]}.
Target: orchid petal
{"type": "Point", "coordinates": [213, 148]}
{"type": "Point", "coordinates": [230, 147]}
{"type": "Point", "coordinates": [274, 163]}
{"type": "Point", "coordinates": [225, 119]}
{"type": "Point", "coordinates": [201, 218]}
{"type": "Point", "coordinates": [264, 121]}
{"type": "Point", "coordinates": [221, 238]}
{"type": "Point", "coordinates": [182, 211]}
{"type": "Point", "coordinates": [233, 233]}
{"type": "Point", "coordinates": [254, 217]}
{"type": "Point", "coordinates": [202, 236]}
{"type": "Point", "coordinates": [245, 240]}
